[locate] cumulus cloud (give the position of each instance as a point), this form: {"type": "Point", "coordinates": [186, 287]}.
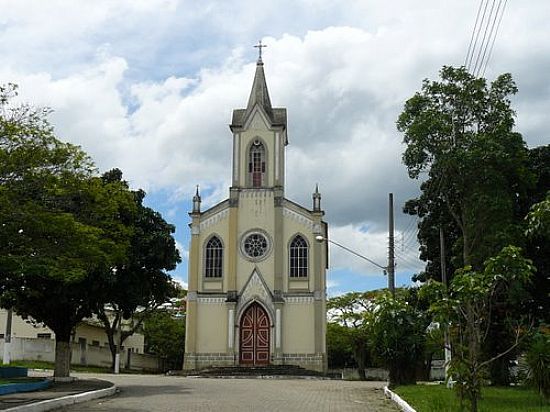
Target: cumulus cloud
{"type": "Point", "coordinates": [149, 86]}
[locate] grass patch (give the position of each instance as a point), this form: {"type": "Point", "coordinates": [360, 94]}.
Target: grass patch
{"type": "Point", "coordinates": [437, 398]}
{"type": "Point", "coordinates": [74, 368]}
{"type": "Point", "coordinates": [51, 365]}
{"type": "Point", "coordinates": [4, 381]}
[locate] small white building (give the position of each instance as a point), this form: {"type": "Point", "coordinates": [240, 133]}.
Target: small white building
{"type": "Point", "coordinates": [88, 332]}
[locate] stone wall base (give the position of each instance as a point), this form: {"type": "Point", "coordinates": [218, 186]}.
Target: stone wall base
{"type": "Point", "coordinates": [311, 361]}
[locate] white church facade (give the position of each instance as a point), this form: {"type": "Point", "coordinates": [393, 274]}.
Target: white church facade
{"type": "Point", "coordinates": [257, 275]}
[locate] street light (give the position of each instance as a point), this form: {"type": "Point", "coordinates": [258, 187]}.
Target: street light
{"type": "Point", "coordinates": [321, 238]}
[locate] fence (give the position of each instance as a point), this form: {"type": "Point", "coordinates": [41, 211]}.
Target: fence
{"type": "Point", "coordinates": [31, 349]}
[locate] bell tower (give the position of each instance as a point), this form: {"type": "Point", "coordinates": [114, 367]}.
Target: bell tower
{"type": "Point", "coordinates": [259, 140]}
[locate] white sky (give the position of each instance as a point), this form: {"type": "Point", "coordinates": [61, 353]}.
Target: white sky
{"type": "Point", "coordinates": [149, 85]}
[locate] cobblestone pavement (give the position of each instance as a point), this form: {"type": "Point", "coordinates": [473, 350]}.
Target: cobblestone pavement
{"type": "Point", "coordinates": [170, 393]}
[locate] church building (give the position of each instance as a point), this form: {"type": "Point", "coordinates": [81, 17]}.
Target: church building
{"type": "Point", "coordinates": [257, 275]}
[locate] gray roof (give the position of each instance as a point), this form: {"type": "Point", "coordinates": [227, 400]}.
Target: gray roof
{"type": "Point", "coordinates": [259, 95]}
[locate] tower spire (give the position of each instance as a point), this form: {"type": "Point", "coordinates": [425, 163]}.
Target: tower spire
{"type": "Point", "coordinates": [197, 201]}
{"type": "Point", "coordinates": [316, 199]}
{"type": "Point", "coordinates": [259, 94]}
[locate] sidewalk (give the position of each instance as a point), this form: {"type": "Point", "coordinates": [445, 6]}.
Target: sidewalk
{"type": "Point", "coordinates": [58, 394]}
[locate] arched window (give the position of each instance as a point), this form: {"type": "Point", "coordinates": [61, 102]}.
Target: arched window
{"type": "Point", "coordinates": [214, 258]}
{"type": "Point", "coordinates": [256, 164]}
{"type": "Point", "coordinates": [298, 257]}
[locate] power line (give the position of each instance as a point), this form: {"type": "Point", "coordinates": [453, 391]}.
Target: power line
{"type": "Point", "coordinates": [466, 63]}
{"type": "Point", "coordinates": [484, 36]}
{"type": "Point", "coordinates": [494, 38]}
{"type": "Point", "coordinates": [477, 34]}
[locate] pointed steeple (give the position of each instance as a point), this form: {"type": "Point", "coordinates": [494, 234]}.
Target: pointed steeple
{"type": "Point", "coordinates": [259, 94]}
{"type": "Point", "coordinates": [316, 199]}
{"type": "Point", "coordinates": [197, 201]}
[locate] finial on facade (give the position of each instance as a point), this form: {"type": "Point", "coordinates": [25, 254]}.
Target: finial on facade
{"type": "Point", "coordinates": [197, 201]}
{"type": "Point", "coordinates": [316, 199]}
{"type": "Point", "coordinates": [260, 46]}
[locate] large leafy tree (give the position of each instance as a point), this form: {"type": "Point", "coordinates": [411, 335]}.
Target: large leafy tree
{"type": "Point", "coordinates": [60, 227]}
{"type": "Point", "coordinates": [140, 284]}
{"type": "Point", "coordinates": [459, 130]}
{"type": "Point", "coordinates": [460, 140]}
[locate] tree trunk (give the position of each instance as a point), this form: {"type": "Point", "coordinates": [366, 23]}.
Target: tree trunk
{"type": "Point", "coordinates": [62, 357]}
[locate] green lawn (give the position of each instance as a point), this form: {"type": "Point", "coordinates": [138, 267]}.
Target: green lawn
{"type": "Point", "coordinates": [50, 365]}
{"type": "Point", "coordinates": [437, 398]}
{"type": "Point", "coordinates": [4, 381]}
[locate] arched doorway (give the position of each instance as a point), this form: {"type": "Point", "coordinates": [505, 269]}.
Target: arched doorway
{"type": "Point", "coordinates": [254, 336]}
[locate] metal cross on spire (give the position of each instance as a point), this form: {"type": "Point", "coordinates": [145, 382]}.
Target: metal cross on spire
{"type": "Point", "coordinates": [260, 46]}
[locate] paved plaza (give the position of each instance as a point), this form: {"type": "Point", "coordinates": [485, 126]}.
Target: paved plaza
{"type": "Point", "coordinates": [170, 393]}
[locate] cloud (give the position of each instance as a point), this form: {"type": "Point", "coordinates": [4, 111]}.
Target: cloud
{"type": "Point", "coordinates": [148, 86]}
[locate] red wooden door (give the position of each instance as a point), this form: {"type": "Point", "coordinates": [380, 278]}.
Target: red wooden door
{"type": "Point", "coordinates": [254, 336]}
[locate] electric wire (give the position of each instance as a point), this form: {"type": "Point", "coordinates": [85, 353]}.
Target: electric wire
{"type": "Point", "coordinates": [484, 37]}
{"type": "Point", "coordinates": [494, 38]}
{"type": "Point", "coordinates": [466, 63]}
{"type": "Point", "coordinates": [468, 66]}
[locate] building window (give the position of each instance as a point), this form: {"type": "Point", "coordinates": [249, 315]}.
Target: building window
{"type": "Point", "coordinates": [95, 343]}
{"type": "Point", "coordinates": [298, 257]}
{"type": "Point", "coordinates": [214, 258]}
{"type": "Point", "coordinates": [44, 335]}
{"type": "Point", "coordinates": [256, 164]}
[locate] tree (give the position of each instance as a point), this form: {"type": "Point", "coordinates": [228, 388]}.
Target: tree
{"type": "Point", "coordinates": [165, 336]}
{"type": "Point", "coordinates": [349, 311]}
{"type": "Point", "coordinates": [397, 333]}
{"type": "Point", "coordinates": [459, 131]}
{"type": "Point", "coordinates": [340, 352]}
{"type": "Point", "coordinates": [467, 308]}
{"type": "Point", "coordinates": [60, 231]}
{"type": "Point", "coordinates": [139, 285]}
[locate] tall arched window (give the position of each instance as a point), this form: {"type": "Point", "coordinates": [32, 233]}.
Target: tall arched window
{"type": "Point", "coordinates": [256, 164]}
{"type": "Point", "coordinates": [214, 258]}
{"type": "Point", "coordinates": [298, 257]}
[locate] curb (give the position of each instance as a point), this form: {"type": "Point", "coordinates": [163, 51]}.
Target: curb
{"type": "Point", "coordinates": [24, 387]}
{"type": "Point", "coordinates": [50, 404]}
{"type": "Point", "coordinates": [404, 406]}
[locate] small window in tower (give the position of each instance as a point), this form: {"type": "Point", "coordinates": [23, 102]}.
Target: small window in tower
{"type": "Point", "coordinates": [256, 164]}
{"type": "Point", "coordinates": [298, 254]}
{"type": "Point", "coordinates": [213, 258]}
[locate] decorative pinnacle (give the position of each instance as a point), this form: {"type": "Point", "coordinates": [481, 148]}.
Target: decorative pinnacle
{"type": "Point", "coordinates": [259, 46]}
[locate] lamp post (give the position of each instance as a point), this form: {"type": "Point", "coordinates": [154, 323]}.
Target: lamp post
{"type": "Point", "coordinates": [391, 286]}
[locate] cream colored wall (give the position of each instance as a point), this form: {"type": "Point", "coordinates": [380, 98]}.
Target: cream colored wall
{"type": "Point", "coordinates": [256, 211]}
{"type": "Point", "coordinates": [298, 328]}
{"type": "Point", "coordinates": [212, 333]}
{"type": "Point", "coordinates": [292, 227]}
{"type": "Point", "coordinates": [219, 228]}
{"type": "Point", "coordinates": [20, 328]}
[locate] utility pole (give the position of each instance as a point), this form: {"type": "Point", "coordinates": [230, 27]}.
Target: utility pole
{"type": "Point", "coordinates": [447, 343]}
{"type": "Point", "coordinates": [391, 250]}
{"type": "Point", "coordinates": [6, 358]}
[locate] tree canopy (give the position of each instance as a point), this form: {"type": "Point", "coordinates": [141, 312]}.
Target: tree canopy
{"type": "Point", "coordinates": [66, 234]}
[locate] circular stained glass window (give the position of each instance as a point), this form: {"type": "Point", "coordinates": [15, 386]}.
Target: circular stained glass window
{"type": "Point", "coordinates": [255, 246]}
